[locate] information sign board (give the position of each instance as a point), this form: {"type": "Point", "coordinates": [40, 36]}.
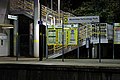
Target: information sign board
{"type": "Point", "coordinates": [51, 37]}
{"type": "Point", "coordinates": [116, 33]}
{"type": "Point", "coordinates": [73, 36]}
{"type": "Point", "coordinates": [83, 19]}
{"type": "Point", "coordinates": [60, 36]}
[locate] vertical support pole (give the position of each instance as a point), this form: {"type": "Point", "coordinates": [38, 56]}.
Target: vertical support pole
{"type": "Point", "coordinates": [31, 39]}
{"type": "Point", "coordinates": [93, 52]}
{"type": "Point", "coordinates": [59, 10]}
{"type": "Point", "coordinates": [54, 20]}
{"type": "Point", "coordinates": [88, 53]}
{"type": "Point", "coordinates": [113, 43]}
{"type": "Point", "coordinates": [99, 43]}
{"type": "Point", "coordinates": [87, 42]}
{"type": "Point", "coordinates": [36, 27]}
{"type": "Point", "coordinates": [41, 32]}
{"type": "Point", "coordinates": [16, 39]}
{"type": "Point", "coordinates": [87, 46]}
{"type": "Point", "coordinates": [62, 42]}
{"type": "Point", "coordinates": [51, 20]}
{"type": "Point", "coordinates": [43, 44]}
{"type": "Point", "coordinates": [46, 36]}
{"type": "Point", "coordinates": [51, 4]}
{"type": "Point", "coordinates": [78, 51]}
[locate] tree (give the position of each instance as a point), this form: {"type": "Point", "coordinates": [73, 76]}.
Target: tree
{"type": "Point", "coordinates": [107, 10]}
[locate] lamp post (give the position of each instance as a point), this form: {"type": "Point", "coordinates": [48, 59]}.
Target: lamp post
{"type": "Point", "coordinates": [99, 43]}
{"type": "Point", "coordinates": [59, 10]}
{"type": "Point", "coordinates": [59, 16]}
{"type": "Point", "coordinates": [51, 4]}
{"type": "Point", "coordinates": [113, 43]}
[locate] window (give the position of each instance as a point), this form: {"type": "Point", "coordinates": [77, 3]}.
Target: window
{"type": "Point", "coordinates": [1, 42]}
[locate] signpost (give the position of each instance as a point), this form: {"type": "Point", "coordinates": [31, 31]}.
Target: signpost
{"type": "Point", "coordinates": [84, 19]}
{"type": "Point", "coordinates": [117, 33]}
{"type": "Point", "coordinates": [12, 17]}
{"type": "Point", "coordinates": [88, 46]}
{"type": "Point", "coordinates": [15, 18]}
{"type": "Point", "coordinates": [54, 36]}
{"type": "Point", "coordinates": [51, 38]}
{"type": "Point", "coordinates": [69, 36]}
{"type": "Point", "coordinates": [60, 37]}
{"type": "Point", "coordinates": [72, 36]}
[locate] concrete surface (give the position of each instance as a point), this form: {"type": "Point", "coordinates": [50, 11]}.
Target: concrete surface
{"type": "Point", "coordinates": [67, 62]}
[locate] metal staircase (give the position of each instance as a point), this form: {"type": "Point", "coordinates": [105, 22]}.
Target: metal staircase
{"type": "Point", "coordinates": [27, 8]}
{"type": "Point", "coordinates": [58, 51]}
{"type": "Point", "coordinates": [21, 7]}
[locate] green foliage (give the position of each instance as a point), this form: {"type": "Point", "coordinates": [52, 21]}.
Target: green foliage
{"type": "Point", "coordinates": [66, 5]}
{"type": "Point", "coordinates": [108, 11]}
